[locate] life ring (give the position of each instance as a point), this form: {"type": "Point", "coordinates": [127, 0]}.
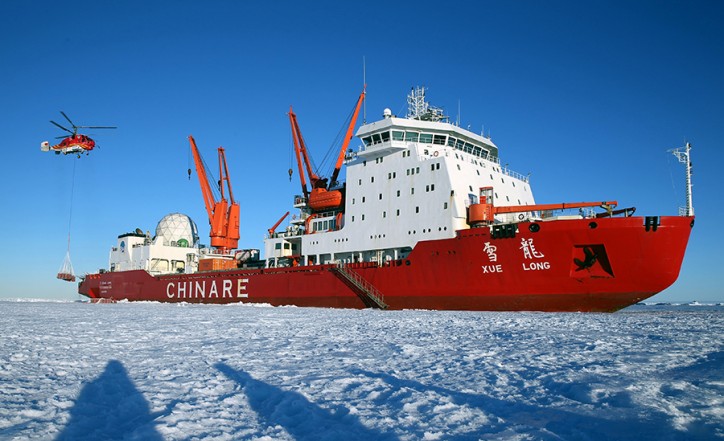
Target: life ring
{"type": "Point", "coordinates": [521, 216]}
{"type": "Point", "coordinates": [435, 153]}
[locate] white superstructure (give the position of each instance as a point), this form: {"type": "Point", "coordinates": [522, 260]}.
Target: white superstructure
{"type": "Point", "coordinates": [173, 249]}
{"type": "Point", "coordinates": [411, 180]}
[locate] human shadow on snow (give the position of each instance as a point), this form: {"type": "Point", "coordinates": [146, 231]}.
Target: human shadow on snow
{"type": "Point", "coordinates": [546, 421]}
{"type": "Point", "coordinates": [301, 418]}
{"type": "Point", "coordinates": [110, 408]}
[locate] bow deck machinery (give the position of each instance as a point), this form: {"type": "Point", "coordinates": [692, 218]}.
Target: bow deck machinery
{"type": "Point", "coordinates": [426, 218]}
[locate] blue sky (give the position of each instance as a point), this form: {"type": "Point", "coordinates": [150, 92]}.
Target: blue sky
{"type": "Point", "coordinates": [587, 96]}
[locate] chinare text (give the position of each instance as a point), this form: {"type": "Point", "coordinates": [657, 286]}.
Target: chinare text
{"type": "Point", "coordinates": [201, 289]}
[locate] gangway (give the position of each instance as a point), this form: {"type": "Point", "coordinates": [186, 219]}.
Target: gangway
{"type": "Point", "coordinates": [370, 296]}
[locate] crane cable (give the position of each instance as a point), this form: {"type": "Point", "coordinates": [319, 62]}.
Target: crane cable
{"type": "Point", "coordinates": [70, 214]}
{"type": "Point", "coordinates": [66, 270]}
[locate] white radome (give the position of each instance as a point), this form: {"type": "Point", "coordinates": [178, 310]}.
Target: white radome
{"type": "Point", "coordinates": [175, 228]}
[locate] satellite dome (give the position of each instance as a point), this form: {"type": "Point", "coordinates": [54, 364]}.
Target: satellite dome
{"type": "Point", "coordinates": [387, 113]}
{"type": "Point", "coordinates": [177, 229]}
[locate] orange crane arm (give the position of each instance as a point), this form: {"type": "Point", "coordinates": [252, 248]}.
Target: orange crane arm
{"type": "Point", "coordinates": [293, 121]}
{"type": "Point", "coordinates": [302, 147]}
{"type": "Point", "coordinates": [224, 173]}
{"type": "Point", "coordinates": [274, 228]}
{"type": "Point", "coordinates": [347, 138]}
{"type": "Point", "coordinates": [562, 206]}
{"type": "Point", "coordinates": [203, 179]}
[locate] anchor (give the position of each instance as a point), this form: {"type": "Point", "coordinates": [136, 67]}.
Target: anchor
{"type": "Point", "coordinates": [588, 261]}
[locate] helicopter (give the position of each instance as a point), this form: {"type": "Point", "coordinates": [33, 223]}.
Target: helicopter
{"type": "Point", "coordinates": [75, 143]}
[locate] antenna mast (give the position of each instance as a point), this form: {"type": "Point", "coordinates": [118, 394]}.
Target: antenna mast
{"type": "Point", "coordinates": [364, 82]}
{"type": "Point", "coordinates": [683, 154]}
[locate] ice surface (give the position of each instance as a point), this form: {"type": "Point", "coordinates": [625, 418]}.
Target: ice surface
{"type": "Point", "coordinates": [146, 371]}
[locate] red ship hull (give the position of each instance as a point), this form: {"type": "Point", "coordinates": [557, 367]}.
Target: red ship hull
{"type": "Point", "coordinates": [564, 265]}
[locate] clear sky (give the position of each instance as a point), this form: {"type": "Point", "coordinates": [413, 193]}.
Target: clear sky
{"type": "Point", "coordinates": [586, 96]}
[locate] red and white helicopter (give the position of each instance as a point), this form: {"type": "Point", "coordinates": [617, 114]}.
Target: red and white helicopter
{"type": "Point", "coordinates": [75, 143]}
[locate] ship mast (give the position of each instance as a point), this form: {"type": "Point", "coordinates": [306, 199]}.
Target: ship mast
{"type": "Point", "coordinates": [683, 154]}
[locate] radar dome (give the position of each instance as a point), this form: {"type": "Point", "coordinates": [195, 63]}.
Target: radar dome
{"type": "Point", "coordinates": [387, 113]}
{"type": "Point", "coordinates": [177, 229]}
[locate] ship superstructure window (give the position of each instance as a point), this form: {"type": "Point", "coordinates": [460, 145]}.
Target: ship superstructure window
{"type": "Point", "coordinates": [385, 136]}
{"type": "Point", "coordinates": [412, 136]}
{"type": "Point", "coordinates": [438, 139]}
{"type": "Point", "coordinates": [398, 136]}
{"type": "Point", "coordinates": [426, 138]}
{"type": "Point", "coordinates": [159, 265]}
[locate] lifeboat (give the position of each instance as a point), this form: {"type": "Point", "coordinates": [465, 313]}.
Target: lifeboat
{"type": "Point", "coordinates": [322, 199]}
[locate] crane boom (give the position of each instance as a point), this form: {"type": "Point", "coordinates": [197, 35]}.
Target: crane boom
{"type": "Point", "coordinates": [347, 138]}
{"type": "Point", "coordinates": [297, 151]}
{"type": "Point", "coordinates": [223, 216]}
{"type": "Point", "coordinates": [274, 228]}
{"type": "Point", "coordinates": [203, 179]}
{"type": "Point", "coordinates": [300, 147]}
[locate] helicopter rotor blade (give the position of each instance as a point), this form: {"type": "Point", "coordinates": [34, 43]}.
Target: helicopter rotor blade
{"type": "Point", "coordinates": [67, 130]}
{"type": "Point", "coordinates": [97, 127]}
{"type": "Point", "coordinates": [66, 117]}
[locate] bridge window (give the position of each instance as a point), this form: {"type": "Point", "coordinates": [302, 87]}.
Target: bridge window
{"type": "Point", "coordinates": [439, 139]}
{"type": "Point", "coordinates": [398, 136]}
{"type": "Point", "coordinates": [426, 138]}
{"type": "Point", "coordinates": [385, 136]}
{"type": "Point", "coordinates": [412, 136]}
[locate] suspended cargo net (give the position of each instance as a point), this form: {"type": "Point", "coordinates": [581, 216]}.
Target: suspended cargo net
{"type": "Point", "coordinates": [66, 270]}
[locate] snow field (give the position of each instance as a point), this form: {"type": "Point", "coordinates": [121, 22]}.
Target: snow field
{"type": "Point", "coordinates": [188, 372]}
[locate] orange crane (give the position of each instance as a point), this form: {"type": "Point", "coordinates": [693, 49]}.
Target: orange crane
{"type": "Point", "coordinates": [483, 213]}
{"type": "Point", "coordinates": [223, 214]}
{"type": "Point", "coordinates": [274, 228]}
{"type": "Point", "coordinates": [321, 197]}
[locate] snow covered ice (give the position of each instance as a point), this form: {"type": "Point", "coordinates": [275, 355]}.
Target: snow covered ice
{"type": "Point", "coordinates": [150, 371]}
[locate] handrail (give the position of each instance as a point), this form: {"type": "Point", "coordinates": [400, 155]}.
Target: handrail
{"type": "Point", "coordinates": [369, 289]}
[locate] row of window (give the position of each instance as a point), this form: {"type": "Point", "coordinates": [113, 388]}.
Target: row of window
{"type": "Point", "coordinates": [397, 212]}
{"type": "Point", "coordinates": [427, 138]}
{"type": "Point", "coordinates": [428, 188]}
